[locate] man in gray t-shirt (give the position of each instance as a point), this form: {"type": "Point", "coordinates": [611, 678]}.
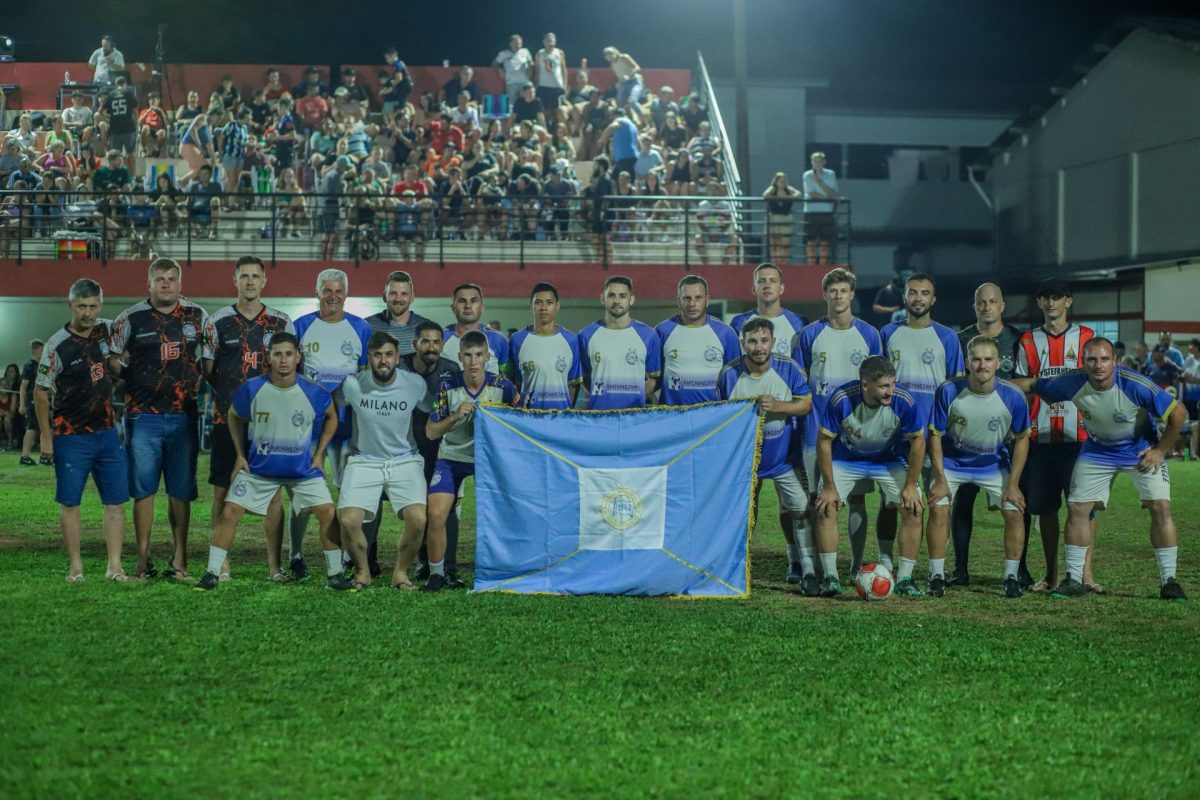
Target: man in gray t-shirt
{"type": "Point", "coordinates": [330, 188]}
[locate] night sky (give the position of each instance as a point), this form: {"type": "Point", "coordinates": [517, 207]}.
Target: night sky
{"type": "Point", "coordinates": [965, 55]}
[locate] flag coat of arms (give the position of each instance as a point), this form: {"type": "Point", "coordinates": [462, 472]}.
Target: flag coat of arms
{"type": "Point", "coordinates": [652, 501]}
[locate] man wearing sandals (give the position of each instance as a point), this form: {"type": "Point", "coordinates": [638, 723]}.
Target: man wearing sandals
{"type": "Point", "coordinates": [277, 414]}
{"type": "Point", "coordinates": [383, 457]}
{"type": "Point", "coordinates": [74, 366]}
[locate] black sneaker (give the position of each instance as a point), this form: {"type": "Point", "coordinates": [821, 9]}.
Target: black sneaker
{"type": "Point", "coordinates": [435, 583]}
{"type": "Point", "coordinates": [45, 461]}
{"type": "Point", "coordinates": [299, 569]}
{"type": "Point", "coordinates": [343, 584]}
{"type": "Point", "coordinates": [961, 577]}
{"type": "Point", "coordinates": [375, 569]}
{"type": "Point", "coordinates": [421, 571]}
{"type": "Point", "coordinates": [937, 586]}
{"type": "Point", "coordinates": [455, 582]}
{"type": "Point", "coordinates": [209, 582]}
{"type": "Point", "coordinates": [1172, 591]}
{"type": "Point", "coordinates": [809, 586]}
{"type": "Point", "coordinates": [1012, 587]}
{"type": "Point", "coordinates": [795, 572]}
{"type": "Point", "coordinates": [28, 461]}
{"type": "Point", "coordinates": [1025, 580]}
{"type": "Point", "coordinates": [1069, 588]}
{"type": "Point", "coordinates": [831, 587]}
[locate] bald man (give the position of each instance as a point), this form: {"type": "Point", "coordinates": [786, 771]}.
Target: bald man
{"type": "Point", "coordinates": [989, 321]}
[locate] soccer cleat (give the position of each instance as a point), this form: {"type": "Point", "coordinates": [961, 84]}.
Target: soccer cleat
{"type": "Point", "coordinates": [830, 587]}
{"type": "Point", "coordinates": [455, 582]}
{"type": "Point", "coordinates": [907, 588]}
{"type": "Point", "coordinates": [961, 577]}
{"type": "Point", "coordinates": [937, 586]}
{"type": "Point", "coordinates": [435, 583]}
{"type": "Point", "coordinates": [795, 572]}
{"type": "Point", "coordinates": [421, 571]}
{"type": "Point", "coordinates": [1012, 587]}
{"type": "Point", "coordinates": [45, 461]}
{"type": "Point", "coordinates": [809, 587]}
{"type": "Point", "coordinates": [1172, 591]}
{"type": "Point", "coordinates": [299, 569]}
{"type": "Point", "coordinates": [1069, 588]}
{"type": "Point", "coordinates": [209, 582]}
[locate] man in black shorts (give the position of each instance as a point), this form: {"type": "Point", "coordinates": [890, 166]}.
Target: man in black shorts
{"type": "Point", "coordinates": [25, 404]}
{"type": "Point", "coordinates": [238, 351]}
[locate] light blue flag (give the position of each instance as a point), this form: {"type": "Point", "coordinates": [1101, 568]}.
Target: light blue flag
{"type": "Point", "coordinates": [641, 502]}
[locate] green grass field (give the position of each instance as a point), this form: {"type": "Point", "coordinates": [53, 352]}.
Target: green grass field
{"type": "Point", "coordinates": [258, 690]}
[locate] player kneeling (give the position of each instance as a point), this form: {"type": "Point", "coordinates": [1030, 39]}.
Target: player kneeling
{"type": "Point", "coordinates": [452, 420]}
{"type": "Point", "coordinates": [862, 435]}
{"type": "Point", "coordinates": [973, 418]}
{"type": "Point", "coordinates": [281, 408]}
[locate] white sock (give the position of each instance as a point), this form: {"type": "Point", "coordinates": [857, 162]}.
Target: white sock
{"type": "Point", "coordinates": [1011, 567]}
{"type": "Point", "coordinates": [793, 553]}
{"type": "Point", "coordinates": [829, 565]}
{"type": "Point", "coordinates": [1076, 554]}
{"type": "Point", "coordinates": [906, 568]}
{"type": "Point", "coordinates": [856, 514]}
{"type": "Point", "coordinates": [804, 542]}
{"type": "Point", "coordinates": [333, 562]}
{"type": "Point", "coordinates": [937, 566]}
{"type": "Point", "coordinates": [1165, 556]}
{"type": "Point", "coordinates": [437, 567]}
{"type": "Point", "coordinates": [885, 552]}
{"type": "Point", "coordinates": [217, 556]}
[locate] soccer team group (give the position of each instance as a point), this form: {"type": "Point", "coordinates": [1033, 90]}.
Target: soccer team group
{"type": "Point", "coordinates": [387, 402]}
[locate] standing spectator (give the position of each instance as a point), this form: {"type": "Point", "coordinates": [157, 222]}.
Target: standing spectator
{"type": "Point", "coordinates": [106, 60]}
{"type": "Point", "coordinates": [821, 196]}
{"type": "Point", "coordinates": [624, 135]}
{"type": "Point", "coordinates": [1172, 352]}
{"type": "Point", "coordinates": [715, 216]}
{"type": "Point", "coordinates": [550, 74]}
{"type": "Point", "coordinates": [780, 196]}
{"type": "Point", "coordinates": [285, 136]}
{"type": "Point", "coordinates": [25, 404]}
{"type": "Point", "coordinates": [196, 143]}
{"type": "Point", "coordinates": [463, 81]}
{"type": "Point", "coordinates": [888, 300]}
{"type": "Point", "coordinates": [1191, 393]}
{"type": "Point", "coordinates": [331, 188]}
{"type": "Point", "coordinates": [10, 390]}
{"type": "Point", "coordinates": [402, 81]}
{"type": "Point", "coordinates": [121, 108]}
{"type": "Point", "coordinates": [232, 145]}
{"type": "Point", "coordinates": [513, 66]}
{"type": "Point", "coordinates": [312, 109]}
{"type": "Point", "coordinates": [629, 80]}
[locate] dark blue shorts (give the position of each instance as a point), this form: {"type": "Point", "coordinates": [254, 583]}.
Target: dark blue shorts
{"type": "Point", "coordinates": [449, 475]}
{"type": "Point", "coordinates": [166, 445]}
{"type": "Point", "coordinates": [97, 454]}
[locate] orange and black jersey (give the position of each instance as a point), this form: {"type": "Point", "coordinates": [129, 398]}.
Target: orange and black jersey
{"type": "Point", "coordinates": [238, 349]}
{"type": "Point", "coordinates": [75, 369]}
{"type": "Point", "coordinates": [163, 353]}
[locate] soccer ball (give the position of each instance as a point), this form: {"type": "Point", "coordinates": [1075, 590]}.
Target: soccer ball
{"type": "Point", "coordinates": [874, 582]}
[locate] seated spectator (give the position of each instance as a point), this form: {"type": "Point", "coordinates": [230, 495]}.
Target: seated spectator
{"type": "Point", "coordinates": [412, 182]}
{"type": "Point", "coordinates": [693, 110]}
{"type": "Point", "coordinates": [648, 160]}
{"type": "Point", "coordinates": [10, 160]}
{"type": "Point", "coordinates": [448, 158]}
{"type": "Point", "coordinates": [204, 202]}
{"type": "Point", "coordinates": [56, 162]}
{"type": "Point", "coordinates": [152, 127]}
{"type": "Point", "coordinates": [311, 109]}
{"type": "Point", "coordinates": [358, 142]}
{"type": "Point", "coordinates": [188, 111]}
{"type": "Point", "coordinates": [324, 139]}
{"type": "Point", "coordinates": [426, 111]}
{"type": "Point", "coordinates": [25, 173]}
{"type": "Point", "coordinates": [168, 201]}
{"type": "Point", "coordinates": [672, 135]}
{"type": "Point", "coordinates": [707, 167]}
{"type": "Point", "coordinates": [57, 132]}
{"type": "Point", "coordinates": [405, 137]}
{"type": "Point", "coordinates": [355, 90]}
{"type": "Point", "coordinates": [582, 87]}
{"type": "Point", "coordinates": [1163, 371]}
{"type": "Point", "coordinates": [115, 175]}
{"type": "Point", "coordinates": [346, 109]}
{"type": "Point", "coordinates": [274, 88]}
{"type": "Point", "coordinates": [559, 152]}
{"type": "Point", "coordinates": [663, 104]}
{"type": "Point", "coordinates": [231, 98]}
{"type": "Point", "coordinates": [496, 138]}
{"type": "Point", "coordinates": [256, 177]}
{"type": "Point", "coordinates": [715, 216]}
{"type": "Point", "coordinates": [478, 161]}
{"type": "Point", "coordinates": [528, 107]}
{"type": "Point", "coordinates": [455, 204]}
{"type": "Point", "coordinates": [290, 200]}
{"type": "Point", "coordinates": [77, 118]}
{"type": "Point", "coordinates": [1141, 356]}
{"type": "Point", "coordinates": [466, 117]}
{"type": "Point", "coordinates": [443, 132]}
{"type": "Point", "coordinates": [25, 135]}
{"type": "Point", "coordinates": [312, 75]}
{"type": "Point", "coordinates": [703, 138]}
{"type": "Point", "coordinates": [463, 81]}
{"type": "Point", "coordinates": [377, 161]}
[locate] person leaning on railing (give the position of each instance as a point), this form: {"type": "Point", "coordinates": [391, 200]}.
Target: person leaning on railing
{"type": "Point", "coordinates": [780, 197]}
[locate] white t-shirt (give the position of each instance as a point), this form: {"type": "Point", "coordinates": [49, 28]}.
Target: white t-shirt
{"type": "Point", "coordinates": [381, 427]}
{"type": "Point", "coordinates": [98, 62]}
{"type": "Point", "coordinates": [811, 186]}
{"type": "Point", "coordinates": [516, 65]}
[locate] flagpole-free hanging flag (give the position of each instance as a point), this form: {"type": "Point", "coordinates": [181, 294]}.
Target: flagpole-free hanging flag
{"type": "Point", "coordinates": [650, 501]}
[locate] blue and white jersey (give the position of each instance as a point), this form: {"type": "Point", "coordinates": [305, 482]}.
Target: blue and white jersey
{"type": "Point", "coordinates": [617, 362]}
{"type": "Point", "coordinates": [282, 426]}
{"type": "Point", "coordinates": [974, 427]}
{"type": "Point", "coordinates": [332, 350]}
{"type": "Point", "coordinates": [381, 416]}
{"type": "Point", "coordinates": [924, 358]}
{"type": "Point", "coordinates": [831, 357]}
{"type": "Point", "coordinates": [862, 433]}
{"type": "Point", "coordinates": [547, 366]}
{"type": "Point", "coordinates": [783, 380]}
{"type": "Point", "coordinates": [787, 325]}
{"type": "Point", "coordinates": [497, 348]}
{"type": "Point", "coordinates": [692, 358]}
{"type": "Point", "coordinates": [1120, 420]}
{"type": "Point", "coordinates": [458, 443]}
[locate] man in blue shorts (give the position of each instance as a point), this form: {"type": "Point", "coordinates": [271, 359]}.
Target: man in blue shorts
{"type": "Point", "coordinates": [74, 367]}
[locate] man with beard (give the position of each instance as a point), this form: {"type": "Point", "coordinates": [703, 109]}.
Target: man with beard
{"type": "Point", "coordinates": [622, 358]}
{"type": "Point", "coordinates": [696, 346]}
{"type": "Point", "coordinates": [398, 318]}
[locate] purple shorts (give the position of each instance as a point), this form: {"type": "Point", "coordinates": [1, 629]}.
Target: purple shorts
{"type": "Point", "coordinates": [449, 475]}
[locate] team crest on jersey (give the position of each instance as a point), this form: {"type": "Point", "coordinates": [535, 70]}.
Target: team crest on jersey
{"type": "Point", "coordinates": [239, 490]}
{"type": "Point", "coordinates": [712, 354]}
{"type": "Point", "coordinates": [674, 381]}
{"type": "Point", "coordinates": [1070, 354]}
{"type": "Point", "coordinates": [631, 357]}
{"type": "Point", "coordinates": [267, 339]}
{"type": "Point", "coordinates": [560, 363]}
{"type": "Point", "coordinates": [104, 349]}
{"type": "Point", "coordinates": [263, 448]}
{"type": "Point", "coordinates": [298, 419]}
{"type": "Point", "coordinates": [1006, 364]}
{"type": "Point", "coordinates": [597, 388]}
{"type": "Point", "coordinates": [527, 367]}
{"type": "Point", "coordinates": [927, 357]}
{"type": "Point", "coordinates": [189, 331]}
{"type": "Point", "coordinates": [856, 357]}
{"type": "Point", "coordinates": [621, 508]}
{"type": "Point", "coordinates": [994, 424]}
{"type": "Point", "coordinates": [347, 348]}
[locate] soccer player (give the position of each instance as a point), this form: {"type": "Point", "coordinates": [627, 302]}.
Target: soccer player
{"type": "Point", "coordinates": [334, 346]}
{"type": "Point", "coordinates": [466, 303]}
{"type": "Point", "coordinates": [622, 358]}
{"type": "Point", "coordinates": [863, 434]}
{"type": "Point", "coordinates": [277, 414]}
{"type": "Point", "coordinates": [398, 318]}
{"type": "Point", "coordinates": [25, 404]}
{"type": "Point", "coordinates": [383, 457]}
{"type": "Point", "coordinates": [696, 347]}
{"type": "Point", "coordinates": [75, 367]}
{"type": "Point", "coordinates": [973, 418]}
{"type": "Point", "coordinates": [158, 348]}
{"type": "Point", "coordinates": [431, 365]}
{"type": "Point", "coordinates": [1053, 348]}
{"type": "Point", "coordinates": [768, 291]}
{"type": "Point", "coordinates": [830, 351]}
{"type": "Point", "coordinates": [779, 386]}
{"type": "Point", "coordinates": [1120, 409]}
{"type": "Point", "coordinates": [545, 355]}
{"type": "Point", "coordinates": [242, 333]}
{"type": "Point", "coordinates": [453, 422]}
{"type": "Point", "coordinates": [989, 321]}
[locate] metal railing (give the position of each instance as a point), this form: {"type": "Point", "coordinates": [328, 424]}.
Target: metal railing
{"type": "Point", "coordinates": [683, 229]}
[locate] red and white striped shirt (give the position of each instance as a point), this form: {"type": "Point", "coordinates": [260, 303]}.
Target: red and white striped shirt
{"type": "Point", "coordinates": [1041, 354]}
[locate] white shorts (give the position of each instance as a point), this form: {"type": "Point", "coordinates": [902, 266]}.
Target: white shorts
{"type": "Point", "coordinates": [813, 471]}
{"type": "Point", "coordinates": [254, 493]}
{"type": "Point", "coordinates": [790, 489]}
{"type": "Point", "coordinates": [992, 481]}
{"type": "Point", "coordinates": [1091, 482]}
{"type": "Point", "coordinates": [365, 481]}
{"type": "Point", "coordinates": [888, 476]}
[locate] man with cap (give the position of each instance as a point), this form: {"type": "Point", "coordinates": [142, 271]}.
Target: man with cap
{"type": "Point", "coordinates": [1057, 432]}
